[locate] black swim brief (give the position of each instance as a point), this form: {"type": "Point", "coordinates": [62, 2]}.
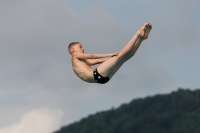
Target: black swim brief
{"type": "Point", "coordinates": [100, 79]}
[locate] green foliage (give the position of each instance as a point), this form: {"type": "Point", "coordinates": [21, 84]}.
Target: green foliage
{"type": "Point", "coordinates": [178, 112]}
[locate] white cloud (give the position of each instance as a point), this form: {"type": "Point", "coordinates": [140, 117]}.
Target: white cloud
{"type": "Point", "coordinates": [43, 120]}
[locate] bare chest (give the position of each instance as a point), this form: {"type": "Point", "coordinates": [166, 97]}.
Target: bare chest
{"type": "Point", "coordinates": [81, 68]}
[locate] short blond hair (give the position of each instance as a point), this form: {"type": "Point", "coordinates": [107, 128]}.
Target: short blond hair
{"type": "Point", "coordinates": [71, 45]}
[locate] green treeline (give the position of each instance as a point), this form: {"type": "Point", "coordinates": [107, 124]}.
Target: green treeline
{"type": "Point", "coordinates": [178, 112]}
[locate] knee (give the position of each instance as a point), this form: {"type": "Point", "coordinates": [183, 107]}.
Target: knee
{"type": "Point", "coordinates": [119, 56]}
{"type": "Point", "coordinates": [123, 56]}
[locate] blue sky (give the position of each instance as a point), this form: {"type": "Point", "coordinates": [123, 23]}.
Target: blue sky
{"type": "Point", "coordinates": [37, 81]}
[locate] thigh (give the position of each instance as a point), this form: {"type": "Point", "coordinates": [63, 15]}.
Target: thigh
{"type": "Point", "coordinates": [109, 67]}
{"type": "Point", "coordinates": [115, 70]}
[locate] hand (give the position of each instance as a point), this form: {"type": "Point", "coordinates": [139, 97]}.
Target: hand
{"type": "Point", "coordinates": [114, 54]}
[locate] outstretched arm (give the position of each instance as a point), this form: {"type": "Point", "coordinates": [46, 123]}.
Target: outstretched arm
{"type": "Point", "coordinates": [91, 62]}
{"type": "Point", "coordinates": [92, 56]}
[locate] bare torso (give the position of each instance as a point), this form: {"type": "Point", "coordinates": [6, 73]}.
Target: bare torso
{"type": "Point", "coordinates": [82, 70]}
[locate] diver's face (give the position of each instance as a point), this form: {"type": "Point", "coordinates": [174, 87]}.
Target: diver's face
{"type": "Point", "coordinates": [79, 48]}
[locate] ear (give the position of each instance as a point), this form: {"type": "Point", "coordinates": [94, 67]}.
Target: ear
{"type": "Point", "coordinates": [73, 50]}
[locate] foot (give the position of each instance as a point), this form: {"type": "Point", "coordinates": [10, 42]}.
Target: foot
{"type": "Point", "coordinates": [144, 31]}
{"type": "Point", "coordinates": [147, 31]}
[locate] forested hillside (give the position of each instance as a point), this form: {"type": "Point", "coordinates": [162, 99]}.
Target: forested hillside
{"type": "Point", "coordinates": [178, 112]}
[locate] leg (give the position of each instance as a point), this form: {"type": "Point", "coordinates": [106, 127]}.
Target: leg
{"type": "Point", "coordinates": [139, 41]}
{"type": "Point", "coordinates": [110, 67]}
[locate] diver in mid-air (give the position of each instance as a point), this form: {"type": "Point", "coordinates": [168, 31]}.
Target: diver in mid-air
{"type": "Point", "coordinates": [109, 63]}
